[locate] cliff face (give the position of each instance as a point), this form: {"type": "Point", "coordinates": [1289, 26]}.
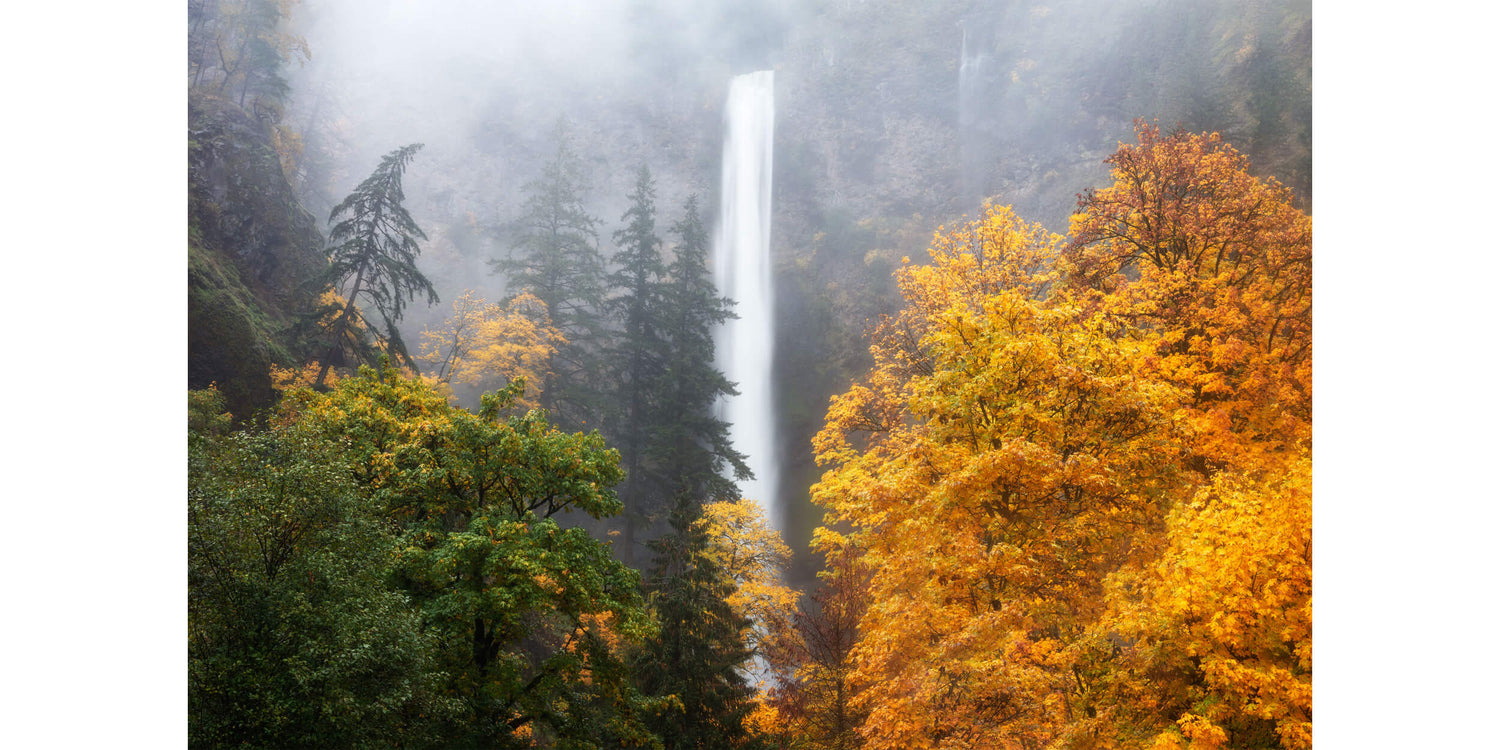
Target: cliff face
{"type": "Point", "coordinates": [254, 254]}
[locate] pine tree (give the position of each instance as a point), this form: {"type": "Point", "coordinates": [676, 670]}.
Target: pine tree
{"type": "Point", "coordinates": [698, 654]}
{"type": "Point", "coordinates": [556, 257]}
{"type": "Point", "coordinates": [374, 241]}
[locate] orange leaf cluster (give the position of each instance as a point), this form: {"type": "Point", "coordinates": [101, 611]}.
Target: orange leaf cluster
{"type": "Point", "coordinates": [1078, 472]}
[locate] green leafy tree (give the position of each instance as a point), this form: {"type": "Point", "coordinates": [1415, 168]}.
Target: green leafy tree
{"type": "Point", "coordinates": [294, 637]}
{"type": "Point", "coordinates": [697, 658]}
{"type": "Point", "coordinates": [556, 257]}
{"type": "Point", "coordinates": [531, 618]}
{"type": "Point", "coordinates": [373, 246]}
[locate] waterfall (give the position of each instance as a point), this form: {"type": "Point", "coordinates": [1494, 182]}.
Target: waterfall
{"type": "Point", "coordinates": [742, 270]}
{"type": "Point", "coordinates": [971, 71]}
{"type": "Point", "coordinates": [964, 115]}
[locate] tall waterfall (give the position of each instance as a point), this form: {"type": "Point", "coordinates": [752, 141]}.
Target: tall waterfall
{"type": "Point", "coordinates": [972, 73]}
{"type": "Point", "coordinates": [742, 270]}
{"type": "Point", "coordinates": [965, 81]}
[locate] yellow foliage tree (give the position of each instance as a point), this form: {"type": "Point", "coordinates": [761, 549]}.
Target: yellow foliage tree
{"type": "Point", "coordinates": [747, 550]}
{"type": "Point", "coordinates": [486, 346]}
{"type": "Point", "coordinates": [1079, 476]}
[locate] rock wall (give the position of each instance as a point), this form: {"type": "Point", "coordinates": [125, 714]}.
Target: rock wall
{"type": "Point", "coordinates": [254, 256]}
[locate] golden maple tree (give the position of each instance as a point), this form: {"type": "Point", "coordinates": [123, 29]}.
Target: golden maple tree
{"type": "Point", "coordinates": [1002, 457]}
{"type": "Point", "coordinates": [487, 345]}
{"type": "Point", "coordinates": [1054, 442]}
{"type": "Point", "coordinates": [750, 553]}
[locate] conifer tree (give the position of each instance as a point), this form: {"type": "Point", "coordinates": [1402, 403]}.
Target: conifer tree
{"type": "Point", "coordinates": [238, 49]}
{"type": "Point", "coordinates": [662, 367]}
{"type": "Point", "coordinates": [698, 654]}
{"type": "Point", "coordinates": [639, 355]}
{"type": "Point", "coordinates": [556, 257]}
{"type": "Point", "coordinates": [693, 446]}
{"type": "Point", "coordinates": [374, 242]}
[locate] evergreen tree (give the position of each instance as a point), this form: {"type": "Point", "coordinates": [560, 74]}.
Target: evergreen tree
{"type": "Point", "coordinates": [698, 654]}
{"type": "Point", "coordinates": [556, 257]}
{"type": "Point", "coordinates": [692, 445]}
{"type": "Point", "coordinates": [374, 242]}
{"type": "Point", "coordinates": [661, 367]}
{"type": "Point", "coordinates": [239, 48]}
{"type": "Point", "coordinates": [639, 355]}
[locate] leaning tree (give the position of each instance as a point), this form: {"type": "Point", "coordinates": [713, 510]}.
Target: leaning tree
{"type": "Point", "coordinates": [373, 242]}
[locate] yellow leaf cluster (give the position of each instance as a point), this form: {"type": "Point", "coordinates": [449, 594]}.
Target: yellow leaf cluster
{"type": "Point", "coordinates": [486, 346]}
{"type": "Point", "coordinates": [285, 379]}
{"type": "Point", "coordinates": [747, 550]}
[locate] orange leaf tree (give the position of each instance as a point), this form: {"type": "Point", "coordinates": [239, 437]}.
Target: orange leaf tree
{"type": "Point", "coordinates": [1212, 268]}
{"type": "Point", "coordinates": [1220, 627]}
{"type": "Point", "coordinates": [1079, 472]}
{"type": "Point", "coordinates": [1209, 645]}
{"type": "Point", "coordinates": [1000, 459]}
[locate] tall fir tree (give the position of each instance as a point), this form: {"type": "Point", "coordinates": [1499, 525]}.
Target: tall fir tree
{"type": "Point", "coordinates": [699, 653]}
{"type": "Point", "coordinates": [555, 256]}
{"type": "Point", "coordinates": [373, 241]}
{"type": "Point", "coordinates": [639, 356]}
{"type": "Point", "coordinates": [665, 384]}
{"type": "Point", "coordinates": [693, 447]}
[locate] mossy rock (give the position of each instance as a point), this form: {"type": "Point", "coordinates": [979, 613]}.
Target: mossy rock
{"type": "Point", "coordinates": [230, 341]}
{"type": "Point", "coordinates": [244, 208]}
{"type": "Point", "coordinates": [255, 256]}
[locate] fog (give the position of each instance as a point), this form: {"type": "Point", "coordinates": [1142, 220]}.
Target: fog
{"type": "Point", "coordinates": [872, 107]}
{"type": "Point", "coordinates": [892, 118]}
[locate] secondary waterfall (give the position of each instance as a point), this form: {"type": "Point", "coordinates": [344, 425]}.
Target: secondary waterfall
{"type": "Point", "coordinates": [972, 71]}
{"type": "Point", "coordinates": [742, 270]}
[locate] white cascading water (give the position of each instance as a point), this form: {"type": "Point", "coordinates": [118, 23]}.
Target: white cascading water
{"type": "Point", "coordinates": [742, 270]}
{"type": "Point", "coordinates": [965, 113]}
{"type": "Point", "coordinates": [972, 64]}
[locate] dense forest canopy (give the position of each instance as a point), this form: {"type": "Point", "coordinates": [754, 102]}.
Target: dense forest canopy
{"type": "Point", "coordinates": [1046, 409]}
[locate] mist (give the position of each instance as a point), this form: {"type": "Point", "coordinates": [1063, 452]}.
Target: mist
{"type": "Point", "coordinates": [893, 118]}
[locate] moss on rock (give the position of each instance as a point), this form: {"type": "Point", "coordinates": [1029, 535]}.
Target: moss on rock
{"type": "Point", "coordinates": [254, 256]}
